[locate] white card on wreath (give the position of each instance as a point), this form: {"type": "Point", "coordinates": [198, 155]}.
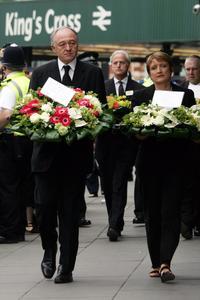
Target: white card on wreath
{"type": "Point", "coordinates": [168, 99]}
{"type": "Point", "coordinates": [57, 91]}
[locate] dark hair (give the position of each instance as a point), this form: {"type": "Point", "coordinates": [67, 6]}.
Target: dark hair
{"type": "Point", "coordinates": [159, 55]}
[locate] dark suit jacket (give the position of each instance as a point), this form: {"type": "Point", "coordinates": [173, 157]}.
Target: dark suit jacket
{"type": "Point", "coordinates": [87, 77]}
{"type": "Point", "coordinates": [163, 154]}
{"type": "Point", "coordinates": [132, 85]}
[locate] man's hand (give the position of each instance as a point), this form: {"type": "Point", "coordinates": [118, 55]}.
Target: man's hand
{"type": "Point", "coordinates": [5, 115]}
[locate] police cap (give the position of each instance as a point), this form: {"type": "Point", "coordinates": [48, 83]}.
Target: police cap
{"type": "Point", "coordinates": [13, 56]}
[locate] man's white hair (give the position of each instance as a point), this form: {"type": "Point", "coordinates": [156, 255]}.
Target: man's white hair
{"type": "Point", "coordinates": [123, 52]}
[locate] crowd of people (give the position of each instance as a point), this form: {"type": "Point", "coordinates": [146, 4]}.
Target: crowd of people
{"type": "Point", "coordinates": [50, 178]}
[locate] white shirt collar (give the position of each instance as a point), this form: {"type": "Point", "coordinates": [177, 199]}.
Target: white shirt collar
{"type": "Point", "coordinates": [72, 64]}
{"type": "Point", "coordinates": [124, 80]}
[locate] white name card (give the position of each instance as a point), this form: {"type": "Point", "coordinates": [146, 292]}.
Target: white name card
{"type": "Point", "coordinates": [57, 91]}
{"type": "Point", "coordinates": [168, 99]}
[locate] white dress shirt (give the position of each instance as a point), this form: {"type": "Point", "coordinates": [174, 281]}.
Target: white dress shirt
{"type": "Point", "coordinates": [117, 83]}
{"type": "Point", "coordinates": [72, 65]}
{"type": "Point", "coordinates": [196, 89]}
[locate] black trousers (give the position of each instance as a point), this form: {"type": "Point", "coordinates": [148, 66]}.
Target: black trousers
{"type": "Point", "coordinates": [163, 191]}
{"type": "Point", "coordinates": [115, 154]}
{"type": "Point", "coordinates": [16, 184]}
{"type": "Point", "coordinates": [57, 196]}
{"type": "Point", "coordinates": [92, 180]}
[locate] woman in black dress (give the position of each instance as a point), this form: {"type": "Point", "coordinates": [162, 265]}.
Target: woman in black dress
{"type": "Point", "coordinates": [162, 167]}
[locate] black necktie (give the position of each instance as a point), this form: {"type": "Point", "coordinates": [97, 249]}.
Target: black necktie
{"type": "Point", "coordinates": [66, 78]}
{"type": "Point", "coordinates": [121, 89]}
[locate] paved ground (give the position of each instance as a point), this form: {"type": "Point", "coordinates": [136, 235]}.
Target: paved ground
{"type": "Point", "coordinates": [104, 270]}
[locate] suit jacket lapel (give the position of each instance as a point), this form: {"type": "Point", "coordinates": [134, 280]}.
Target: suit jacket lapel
{"type": "Point", "coordinates": [112, 87]}
{"type": "Point", "coordinates": [78, 73]}
{"type": "Point", "coordinates": [129, 85]}
{"type": "Point", "coordinates": [54, 72]}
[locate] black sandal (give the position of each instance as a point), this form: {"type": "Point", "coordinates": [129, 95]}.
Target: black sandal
{"type": "Point", "coordinates": [166, 274]}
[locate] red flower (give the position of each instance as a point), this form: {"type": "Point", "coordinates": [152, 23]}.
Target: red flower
{"type": "Point", "coordinates": [85, 102]}
{"type": "Point", "coordinates": [66, 121]}
{"type": "Point", "coordinates": [61, 111]}
{"type": "Point", "coordinates": [78, 90]}
{"type": "Point", "coordinates": [115, 105]}
{"type": "Point", "coordinates": [54, 119]}
{"type": "Point", "coordinates": [34, 103]}
{"type": "Point", "coordinates": [28, 110]}
{"type": "Point", "coordinates": [39, 93]}
{"type": "Point", "coordinates": [31, 107]}
{"type": "Point", "coordinates": [96, 113]}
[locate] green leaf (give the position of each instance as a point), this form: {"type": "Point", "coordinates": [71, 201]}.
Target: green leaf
{"type": "Point", "coordinates": [69, 139]}
{"type": "Point", "coordinates": [37, 136]}
{"type": "Point", "coordinates": [107, 117]}
{"type": "Point", "coordinates": [82, 134]}
{"type": "Point", "coordinates": [52, 135]}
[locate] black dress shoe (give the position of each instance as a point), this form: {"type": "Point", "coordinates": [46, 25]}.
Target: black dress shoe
{"type": "Point", "coordinates": [113, 234]}
{"type": "Point", "coordinates": [62, 276]}
{"type": "Point", "coordinates": [8, 240]}
{"type": "Point", "coordinates": [48, 264]}
{"type": "Point", "coordinates": [138, 221]}
{"type": "Point", "coordinates": [186, 231]}
{"type": "Point", "coordinates": [84, 222]}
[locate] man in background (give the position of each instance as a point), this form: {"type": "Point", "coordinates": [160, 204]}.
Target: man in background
{"type": "Point", "coordinates": [191, 204]}
{"type": "Point", "coordinates": [115, 152]}
{"type": "Point", "coordinates": [192, 73]}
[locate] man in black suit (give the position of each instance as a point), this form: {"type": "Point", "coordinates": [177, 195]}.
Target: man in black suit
{"type": "Point", "coordinates": [115, 152]}
{"type": "Point", "coordinates": [192, 72]}
{"type": "Point", "coordinates": [60, 170]}
{"type": "Point", "coordinates": [191, 209]}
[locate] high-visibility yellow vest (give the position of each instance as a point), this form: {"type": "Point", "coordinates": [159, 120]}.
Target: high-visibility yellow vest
{"type": "Point", "coordinates": [18, 82]}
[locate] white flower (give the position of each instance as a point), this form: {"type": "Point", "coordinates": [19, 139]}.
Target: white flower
{"type": "Point", "coordinates": [95, 102]}
{"type": "Point", "coordinates": [74, 113]}
{"type": "Point", "coordinates": [89, 97]}
{"type": "Point", "coordinates": [136, 109]}
{"type": "Point", "coordinates": [80, 123]}
{"type": "Point", "coordinates": [35, 118]}
{"type": "Point", "coordinates": [147, 120]}
{"type": "Point", "coordinates": [45, 117]}
{"type": "Point", "coordinates": [159, 121]}
{"type": "Point", "coordinates": [47, 107]}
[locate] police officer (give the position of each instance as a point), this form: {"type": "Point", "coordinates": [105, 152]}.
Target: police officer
{"type": "Point", "coordinates": [12, 88]}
